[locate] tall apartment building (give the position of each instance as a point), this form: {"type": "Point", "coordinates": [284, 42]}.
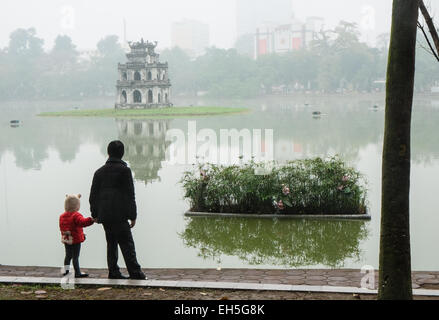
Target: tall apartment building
{"type": "Point", "coordinates": [282, 38]}
{"type": "Point", "coordinates": [250, 14]}
{"type": "Point", "coordinates": [191, 36]}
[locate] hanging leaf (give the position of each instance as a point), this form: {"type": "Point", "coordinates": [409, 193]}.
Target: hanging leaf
{"type": "Point", "coordinates": [288, 203]}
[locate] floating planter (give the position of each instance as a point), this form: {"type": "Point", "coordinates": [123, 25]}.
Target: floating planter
{"type": "Point", "coordinates": [300, 188]}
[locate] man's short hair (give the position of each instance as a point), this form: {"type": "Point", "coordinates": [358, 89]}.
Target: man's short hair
{"type": "Point", "coordinates": [116, 149]}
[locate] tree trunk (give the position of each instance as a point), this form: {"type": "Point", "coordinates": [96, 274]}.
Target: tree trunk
{"type": "Point", "coordinates": [395, 262]}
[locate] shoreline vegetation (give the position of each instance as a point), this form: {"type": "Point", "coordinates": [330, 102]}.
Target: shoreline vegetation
{"type": "Point", "coordinates": [299, 187]}
{"type": "Point", "coordinates": [148, 113]}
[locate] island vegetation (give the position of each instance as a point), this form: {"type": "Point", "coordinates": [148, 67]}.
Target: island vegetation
{"type": "Point", "coordinates": [336, 62]}
{"type": "Point", "coordinates": [173, 112]}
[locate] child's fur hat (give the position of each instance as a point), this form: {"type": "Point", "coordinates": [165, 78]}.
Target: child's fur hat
{"type": "Point", "coordinates": [72, 202]}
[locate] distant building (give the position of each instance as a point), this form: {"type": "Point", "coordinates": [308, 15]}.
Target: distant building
{"type": "Point", "coordinates": [191, 36]}
{"type": "Point", "coordinates": [143, 80]}
{"type": "Point", "coordinates": [87, 56]}
{"type": "Point", "coordinates": [283, 38]}
{"type": "Point", "coordinates": [250, 14]}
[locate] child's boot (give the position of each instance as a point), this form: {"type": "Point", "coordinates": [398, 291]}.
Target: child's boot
{"type": "Point", "coordinates": [81, 275]}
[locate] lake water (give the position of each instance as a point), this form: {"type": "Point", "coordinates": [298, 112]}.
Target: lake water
{"type": "Point", "coordinates": [45, 158]}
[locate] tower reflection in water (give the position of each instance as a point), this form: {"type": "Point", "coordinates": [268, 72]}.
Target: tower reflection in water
{"type": "Point", "coordinates": [145, 146]}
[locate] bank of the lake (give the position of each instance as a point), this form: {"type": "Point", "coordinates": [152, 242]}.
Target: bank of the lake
{"type": "Point", "coordinates": [173, 112]}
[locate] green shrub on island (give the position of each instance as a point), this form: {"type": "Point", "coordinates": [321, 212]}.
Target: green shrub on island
{"type": "Point", "coordinates": [311, 186]}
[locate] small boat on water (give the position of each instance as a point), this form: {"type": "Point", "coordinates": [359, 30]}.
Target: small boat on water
{"type": "Point", "coordinates": [14, 123]}
{"type": "Point", "coordinates": [316, 113]}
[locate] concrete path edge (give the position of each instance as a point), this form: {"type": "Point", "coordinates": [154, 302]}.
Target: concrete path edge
{"type": "Point", "coordinates": [204, 284]}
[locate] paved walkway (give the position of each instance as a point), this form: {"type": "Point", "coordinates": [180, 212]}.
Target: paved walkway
{"type": "Point", "coordinates": [293, 277]}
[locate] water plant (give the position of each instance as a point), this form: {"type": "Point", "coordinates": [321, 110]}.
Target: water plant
{"type": "Point", "coordinates": [310, 186]}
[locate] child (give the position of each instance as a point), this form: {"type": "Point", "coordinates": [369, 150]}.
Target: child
{"type": "Point", "coordinates": [71, 223]}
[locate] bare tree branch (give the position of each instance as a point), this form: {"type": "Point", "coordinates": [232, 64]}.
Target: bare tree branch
{"type": "Point", "coordinates": [426, 49]}
{"type": "Point", "coordinates": [433, 52]}
{"type": "Point", "coordinates": [430, 25]}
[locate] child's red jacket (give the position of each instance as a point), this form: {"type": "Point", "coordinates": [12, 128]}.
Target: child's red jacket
{"type": "Point", "coordinates": [71, 224]}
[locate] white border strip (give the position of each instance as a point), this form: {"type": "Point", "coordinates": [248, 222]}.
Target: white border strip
{"type": "Point", "coordinates": [208, 285]}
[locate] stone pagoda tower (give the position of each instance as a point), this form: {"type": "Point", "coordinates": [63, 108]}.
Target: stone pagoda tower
{"type": "Point", "coordinates": [143, 80]}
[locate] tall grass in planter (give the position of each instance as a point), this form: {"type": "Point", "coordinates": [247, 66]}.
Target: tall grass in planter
{"type": "Point", "coordinates": [312, 186]}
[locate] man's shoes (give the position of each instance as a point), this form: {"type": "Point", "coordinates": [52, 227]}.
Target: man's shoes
{"type": "Point", "coordinates": [117, 276]}
{"type": "Point", "coordinates": [81, 275]}
{"type": "Point", "coordinates": [138, 276]}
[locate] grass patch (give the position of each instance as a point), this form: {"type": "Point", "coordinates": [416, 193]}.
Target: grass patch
{"type": "Point", "coordinates": [147, 113]}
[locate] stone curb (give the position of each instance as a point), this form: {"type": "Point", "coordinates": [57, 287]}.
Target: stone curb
{"type": "Point", "coordinates": [280, 216]}
{"type": "Point", "coordinates": [207, 285]}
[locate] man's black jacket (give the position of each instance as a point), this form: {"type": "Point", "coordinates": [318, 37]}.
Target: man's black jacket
{"type": "Point", "coordinates": [112, 198]}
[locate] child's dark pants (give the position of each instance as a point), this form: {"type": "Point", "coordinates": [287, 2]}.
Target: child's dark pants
{"type": "Point", "coordinates": [72, 253]}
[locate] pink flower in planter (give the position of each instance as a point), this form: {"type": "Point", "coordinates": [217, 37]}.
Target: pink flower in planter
{"type": "Point", "coordinates": [203, 174]}
{"type": "Point", "coordinates": [281, 205]}
{"type": "Point", "coordinates": [340, 188]}
{"type": "Point", "coordinates": [345, 178]}
{"type": "Point", "coordinates": [285, 190]}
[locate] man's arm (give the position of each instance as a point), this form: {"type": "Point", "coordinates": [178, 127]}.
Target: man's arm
{"type": "Point", "coordinates": [132, 208]}
{"type": "Point", "coordinates": [94, 197]}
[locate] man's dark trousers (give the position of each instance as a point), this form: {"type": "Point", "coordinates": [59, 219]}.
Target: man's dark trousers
{"type": "Point", "coordinates": [120, 234]}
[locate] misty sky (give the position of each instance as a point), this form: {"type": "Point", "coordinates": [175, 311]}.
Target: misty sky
{"type": "Point", "coordinates": [87, 21]}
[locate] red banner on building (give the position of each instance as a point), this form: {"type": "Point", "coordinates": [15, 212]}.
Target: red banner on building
{"type": "Point", "coordinates": [262, 46]}
{"type": "Point", "coordinates": [297, 43]}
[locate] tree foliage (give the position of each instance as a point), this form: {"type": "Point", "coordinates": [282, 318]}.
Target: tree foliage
{"type": "Point", "coordinates": [336, 61]}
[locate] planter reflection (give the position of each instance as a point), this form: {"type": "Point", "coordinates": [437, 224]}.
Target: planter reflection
{"type": "Point", "coordinates": [285, 243]}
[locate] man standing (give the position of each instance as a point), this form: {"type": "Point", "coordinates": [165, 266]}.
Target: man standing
{"type": "Point", "coordinates": [112, 203]}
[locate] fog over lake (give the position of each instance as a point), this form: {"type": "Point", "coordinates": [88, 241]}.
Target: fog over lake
{"type": "Point", "coordinates": [45, 158]}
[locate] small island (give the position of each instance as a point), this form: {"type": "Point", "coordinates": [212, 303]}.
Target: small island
{"type": "Point", "coordinates": [144, 91]}
{"type": "Point", "coordinates": [173, 112]}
